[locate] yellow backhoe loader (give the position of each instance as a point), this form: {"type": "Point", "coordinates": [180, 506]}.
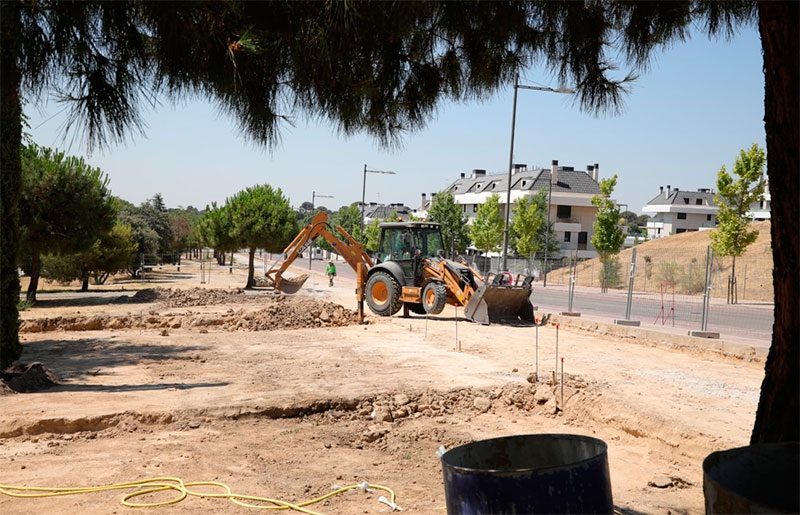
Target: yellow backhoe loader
{"type": "Point", "coordinates": [409, 271]}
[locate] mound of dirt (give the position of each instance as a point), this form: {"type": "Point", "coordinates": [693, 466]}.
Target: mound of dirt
{"type": "Point", "coordinates": [185, 297]}
{"type": "Point", "coordinates": [22, 378]}
{"type": "Point", "coordinates": [280, 312]}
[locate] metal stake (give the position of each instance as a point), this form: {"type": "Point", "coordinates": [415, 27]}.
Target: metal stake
{"type": "Point", "coordinates": [557, 326]}
{"type": "Point", "coordinates": [562, 384]}
{"type": "Point", "coordinates": [537, 349]}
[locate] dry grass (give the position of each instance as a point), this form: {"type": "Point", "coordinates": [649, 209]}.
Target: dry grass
{"type": "Point", "coordinates": [680, 259]}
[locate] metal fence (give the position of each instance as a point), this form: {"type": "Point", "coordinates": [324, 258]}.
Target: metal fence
{"type": "Point", "coordinates": [685, 289]}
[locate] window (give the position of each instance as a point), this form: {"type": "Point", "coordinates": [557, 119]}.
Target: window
{"type": "Point", "coordinates": [678, 231]}
{"type": "Point", "coordinates": [681, 216]}
{"type": "Point", "coordinates": [474, 208]}
{"type": "Point", "coordinates": [699, 202]}
{"type": "Point", "coordinates": [708, 218]}
{"type": "Point", "coordinates": [685, 200]}
{"type": "Point", "coordinates": [567, 236]}
{"type": "Point", "coordinates": [563, 211]}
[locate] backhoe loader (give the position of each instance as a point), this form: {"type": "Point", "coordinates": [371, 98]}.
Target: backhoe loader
{"type": "Point", "coordinates": [410, 271]}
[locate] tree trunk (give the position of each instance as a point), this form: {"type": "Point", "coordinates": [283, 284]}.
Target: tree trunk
{"type": "Point", "coordinates": [778, 414]}
{"type": "Point", "coordinates": [251, 259]}
{"type": "Point", "coordinates": [732, 297]}
{"type": "Point", "coordinates": [85, 283]}
{"type": "Point", "coordinates": [10, 181]}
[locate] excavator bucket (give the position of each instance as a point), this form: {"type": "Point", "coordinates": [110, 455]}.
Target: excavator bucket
{"type": "Point", "coordinates": [500, 304]}
{"type": "Point", "coordinates": [288, 284]}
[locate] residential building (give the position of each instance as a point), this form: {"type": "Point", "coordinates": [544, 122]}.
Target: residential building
{"type": "Point", "coordinates": [570, 192]}
{"type": "Point", "coordinates": [674, 211]}
{"type": "Point", "coordinates": [761, 210]}
{"type": "Point", "coordinates": [375, 211]}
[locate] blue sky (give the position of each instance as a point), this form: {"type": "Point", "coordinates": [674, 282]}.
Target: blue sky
{"type": "Point", "coordinates": [691, 113]}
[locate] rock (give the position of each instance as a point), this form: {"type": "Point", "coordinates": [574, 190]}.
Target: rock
{"type": "Point", "coordinates": [542, 395]}
{"type": "Point", "coordinates": [482, 404]}
{"type": "Point", "coordinates": [381, 414]}
{"type": "Point", "coordinates": [401, 399]}
{"type": "Point", "coordinates": [533, 378]}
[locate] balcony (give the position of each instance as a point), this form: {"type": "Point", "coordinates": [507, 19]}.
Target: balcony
{"type": "Point", "coordinates": [571, 224]}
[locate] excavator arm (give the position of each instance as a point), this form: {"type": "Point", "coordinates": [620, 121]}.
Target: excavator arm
{"type": "Point", "coordinates": [351, 250]}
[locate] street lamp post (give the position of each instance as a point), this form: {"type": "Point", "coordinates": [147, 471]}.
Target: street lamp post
{"type": "Point", "coordinates": [364, 191]}
{"type": "Point", "coordinates": [517, 86]}
{"type": "Point", "coordinates": [314, 197]}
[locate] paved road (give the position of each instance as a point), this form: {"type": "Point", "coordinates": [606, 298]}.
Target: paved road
{"type": "Point", "coordinates": [751, 319]}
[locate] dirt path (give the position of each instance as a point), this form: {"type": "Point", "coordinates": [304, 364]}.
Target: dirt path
{"type": "Point", "coordinates": [206, 386]}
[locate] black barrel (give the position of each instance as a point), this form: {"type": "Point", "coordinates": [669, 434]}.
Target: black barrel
{"type": "Point", "coordinates": [540, 473]}
{"type": "Point", "coordinates": [761, 478]}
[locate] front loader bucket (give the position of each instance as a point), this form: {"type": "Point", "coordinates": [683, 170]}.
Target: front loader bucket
{"type": "Point", "coordinates": [500, 305]}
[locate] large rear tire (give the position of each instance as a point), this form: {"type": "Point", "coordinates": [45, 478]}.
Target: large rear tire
{"type": "Point", "coordinates": [383, 294]}
{"type": "Point", "coordinates": [434, 298]}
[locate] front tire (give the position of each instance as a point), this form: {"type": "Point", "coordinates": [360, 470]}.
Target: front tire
{"type": "Point", "coordinates": [434, 298]}
{"type": "Point", "coordinates": [383, 294]}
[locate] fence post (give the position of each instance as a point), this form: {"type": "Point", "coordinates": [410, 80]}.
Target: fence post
{"type": "Point", "coordinates": [744, 284]}
{"type": "Point", "coordinates": [707, 293]}
{"type": "Point", "coordinates": [630, 284]}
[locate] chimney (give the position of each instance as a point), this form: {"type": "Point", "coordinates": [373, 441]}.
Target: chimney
{"type": "Point", "coordinates": [660, 190]}
{"type": "Point", "coordinates": [478, 173]}
{"type": "Point", "coordinates": [422, 202]}
{"type": "Point", "coordinates": [462, 176]}
{"type": "Point", "coordinates": [596, 175]}
{"type": "Point", "coordinates": [520, 167]}
{"type": "Point", "coordinates": [554, 172]}
{"type": "Point", "coordinates": [669, 189]}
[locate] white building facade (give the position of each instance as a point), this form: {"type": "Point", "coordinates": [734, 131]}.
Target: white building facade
{"type": "Point", "coordinates": [570, 192]}
{"type": "Point", "coordinates": [675, 211]}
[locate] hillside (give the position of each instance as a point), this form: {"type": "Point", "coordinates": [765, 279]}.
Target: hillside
{"type": "Point", "coordinates": [680, 259]}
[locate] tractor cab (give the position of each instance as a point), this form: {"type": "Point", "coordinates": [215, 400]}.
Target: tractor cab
{"type": "Point", "coordinates": [408, 243]}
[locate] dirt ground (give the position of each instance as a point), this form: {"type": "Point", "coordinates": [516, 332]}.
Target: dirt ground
{"type": "Point", "coordinates": [288, 398]}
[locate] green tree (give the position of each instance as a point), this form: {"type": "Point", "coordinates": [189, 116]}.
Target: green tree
{"type": "Point", "coordinates": [529, 217]}
{"type": "Point", "coordinates": [608, 236]}
{"type": "Point", "coordinates": [487, 228]}
{"type": "Point", "coordinates": [214, 230]}
{"type": "Point", "coordinates": [109, 254]}
{"type": "Point", "coordinates": [261, 217]}
{"type": "Point", "coordinates": [734, 197]}
{"type": "Point", "coordinates": [382, 68]}
{"type": "Point", "coordinates": [546, 242]}
{"type": "Point", "coordinates": [455, 231]}
{"type": "Point", "coordinates": [66, 206]}
{"type": "Point", "coordinates": [146, 239]}
{"type": "Point", "coordinates": [349, 218]}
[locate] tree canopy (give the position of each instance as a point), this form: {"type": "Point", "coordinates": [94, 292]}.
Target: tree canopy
{"type": "Point", "coordinates": [734, 197]}
{"type": "Point", "coordinates": [381, 68]}
{"type": "Point", "coordinates": [529, 217]}
{"type": "Point", "coordinates": [455, 230]}
{"type": "Point", "coordinates": [261, 217]}
{"type": "Point", "coordinates": [487, 228]}
{"type": "Point", "coordinates": [65, 206]}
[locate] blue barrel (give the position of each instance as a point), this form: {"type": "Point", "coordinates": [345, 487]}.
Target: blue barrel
{"type": "Point", "coordinates": [540, 473]}
{"type": "Point", "coordinates": [760, 478]}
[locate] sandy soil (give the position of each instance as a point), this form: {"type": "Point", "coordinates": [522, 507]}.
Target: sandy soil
{"type": "Point", "coordinates": [286, 397]}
